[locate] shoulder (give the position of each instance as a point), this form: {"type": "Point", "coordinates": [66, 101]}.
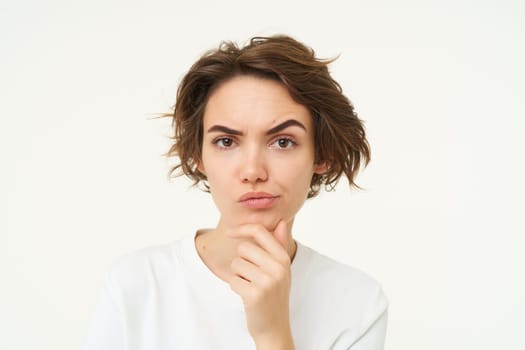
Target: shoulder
{"type": "Point", "coordinates": [333, 272]}
{"type": "Point", "coordinates": [136, 271]}
{"type": "Point", "coordinates": [353, 289]}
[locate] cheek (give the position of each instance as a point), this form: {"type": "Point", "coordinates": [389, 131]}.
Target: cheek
{"type": "Point", "coordinates": [218, 173]}
{"type": "Point", "coordinates": [297, 175]}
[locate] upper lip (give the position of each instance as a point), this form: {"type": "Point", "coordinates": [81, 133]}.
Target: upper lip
{"type": "Point", "coordinates": [255, 195]}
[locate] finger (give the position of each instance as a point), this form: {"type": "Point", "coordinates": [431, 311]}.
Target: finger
{"type": "Point", "coordinates": [239, 285]}
{"type": "Point", "coordinates": [250, 294]}
{"type": "Point", "coordinates": [254, 254]}
{"type": "Point", "coordinates": [247, 270]}
{"type": "Point", "coordinates": [281, 234]}
{"type": "Point", "coordinates": [262, 237]}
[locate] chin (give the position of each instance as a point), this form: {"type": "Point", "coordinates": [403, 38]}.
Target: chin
{"type": "Point", "coordinates": [267, 219]}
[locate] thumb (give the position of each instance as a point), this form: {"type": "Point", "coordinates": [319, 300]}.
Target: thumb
{"type": "Point", "coordinates": [281, 234]}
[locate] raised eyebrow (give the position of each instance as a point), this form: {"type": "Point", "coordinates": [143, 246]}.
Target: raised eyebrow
{"type": "Point", "coordinates": [274, 130]}
{"type": "Point", "coordinates": [284, 125]}
{"type": "Point", "coordinates": [224, 129]}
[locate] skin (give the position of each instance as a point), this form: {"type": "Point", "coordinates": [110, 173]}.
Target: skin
{"type": "Point", "coordinates": [256, 139]}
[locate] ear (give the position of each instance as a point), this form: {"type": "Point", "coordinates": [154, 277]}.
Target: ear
{"type": "Point", "coordinates": [200, 167]}
{"type": "Point", "coordinates": [321, 168]}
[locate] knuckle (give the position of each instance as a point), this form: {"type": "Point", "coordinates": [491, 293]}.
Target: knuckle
{"type": "Point", "coordinates": [236, 263]}
{"type": "Point", "coordinates": [266, 282]}
{"type": "Point", "coordinates": [282, 273]}
{"type": "Point", "coordinates": [243, 248]}
{"type": "Point", "coordinates": [284, 259]}
{"type": "Point", "coordinates": [257, 235]}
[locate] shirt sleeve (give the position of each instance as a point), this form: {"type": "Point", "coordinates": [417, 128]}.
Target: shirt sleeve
{"type": "Point", "coordinates": [372, 332]}
{"type": "Point", "coordinates": [374, 337]}
{"type": "Point", "coordinates": [106, 330]}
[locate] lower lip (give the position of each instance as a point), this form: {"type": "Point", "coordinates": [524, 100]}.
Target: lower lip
{"type": "Point", "coordinates": [259, 203]}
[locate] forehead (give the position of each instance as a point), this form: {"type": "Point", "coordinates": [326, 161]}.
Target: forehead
{"type": "Point", "coordinates": [248, 101]}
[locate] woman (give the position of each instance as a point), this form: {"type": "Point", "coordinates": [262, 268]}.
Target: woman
{"type": "Point", "coordinates": [262, 127]}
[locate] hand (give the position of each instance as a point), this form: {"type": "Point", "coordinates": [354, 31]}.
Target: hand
{"type": "Point", "coordinates": [262, 277]}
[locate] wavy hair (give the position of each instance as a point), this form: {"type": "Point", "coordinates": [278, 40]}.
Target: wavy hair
{"type": "Point", "coordinates": [339, 135]}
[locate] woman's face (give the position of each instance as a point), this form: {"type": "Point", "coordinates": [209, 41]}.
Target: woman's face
{"type": "Point", "coordinates": [258, 152]}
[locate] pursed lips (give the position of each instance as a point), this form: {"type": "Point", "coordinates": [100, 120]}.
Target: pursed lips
{"type": "Point", "coordinates": [258, 200]}
{"type": "Point", "coordinates": [255, 195]}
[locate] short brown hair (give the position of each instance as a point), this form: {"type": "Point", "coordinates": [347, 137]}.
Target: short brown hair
{"type": "Point", "coordinates": [339, 135]}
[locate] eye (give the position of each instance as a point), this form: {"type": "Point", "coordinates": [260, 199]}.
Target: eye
{"type": "Point", "coordinates": [224, 142]}
{"type": "Point", "coordinates": [284, 143]}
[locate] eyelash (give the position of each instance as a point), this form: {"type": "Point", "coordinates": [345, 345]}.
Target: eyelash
{"type": "Point", "coordinates": [290, 142]}
{"type": "Point", "coordinates": [221, 139]}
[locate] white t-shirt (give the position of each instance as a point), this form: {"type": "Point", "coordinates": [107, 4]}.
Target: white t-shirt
{"type": "Point", "coordinates": [164, 297]}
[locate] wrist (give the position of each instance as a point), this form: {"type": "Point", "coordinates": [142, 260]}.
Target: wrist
{"type": "Point", "coordinates": [282, 341]}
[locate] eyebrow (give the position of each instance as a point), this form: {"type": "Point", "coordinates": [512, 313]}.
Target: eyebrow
{"type": "Point", "coordinates": [274, 130]}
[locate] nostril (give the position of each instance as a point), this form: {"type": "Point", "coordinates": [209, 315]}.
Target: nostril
{"type": "Point", "coordinates": [253, 173]}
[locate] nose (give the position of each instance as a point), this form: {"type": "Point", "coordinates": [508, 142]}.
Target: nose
{"type": "Point", "coordinates": [253, 166]}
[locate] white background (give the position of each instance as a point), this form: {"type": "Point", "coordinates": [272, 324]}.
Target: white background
{"type": "Point", "coordinates": [441, 88]}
